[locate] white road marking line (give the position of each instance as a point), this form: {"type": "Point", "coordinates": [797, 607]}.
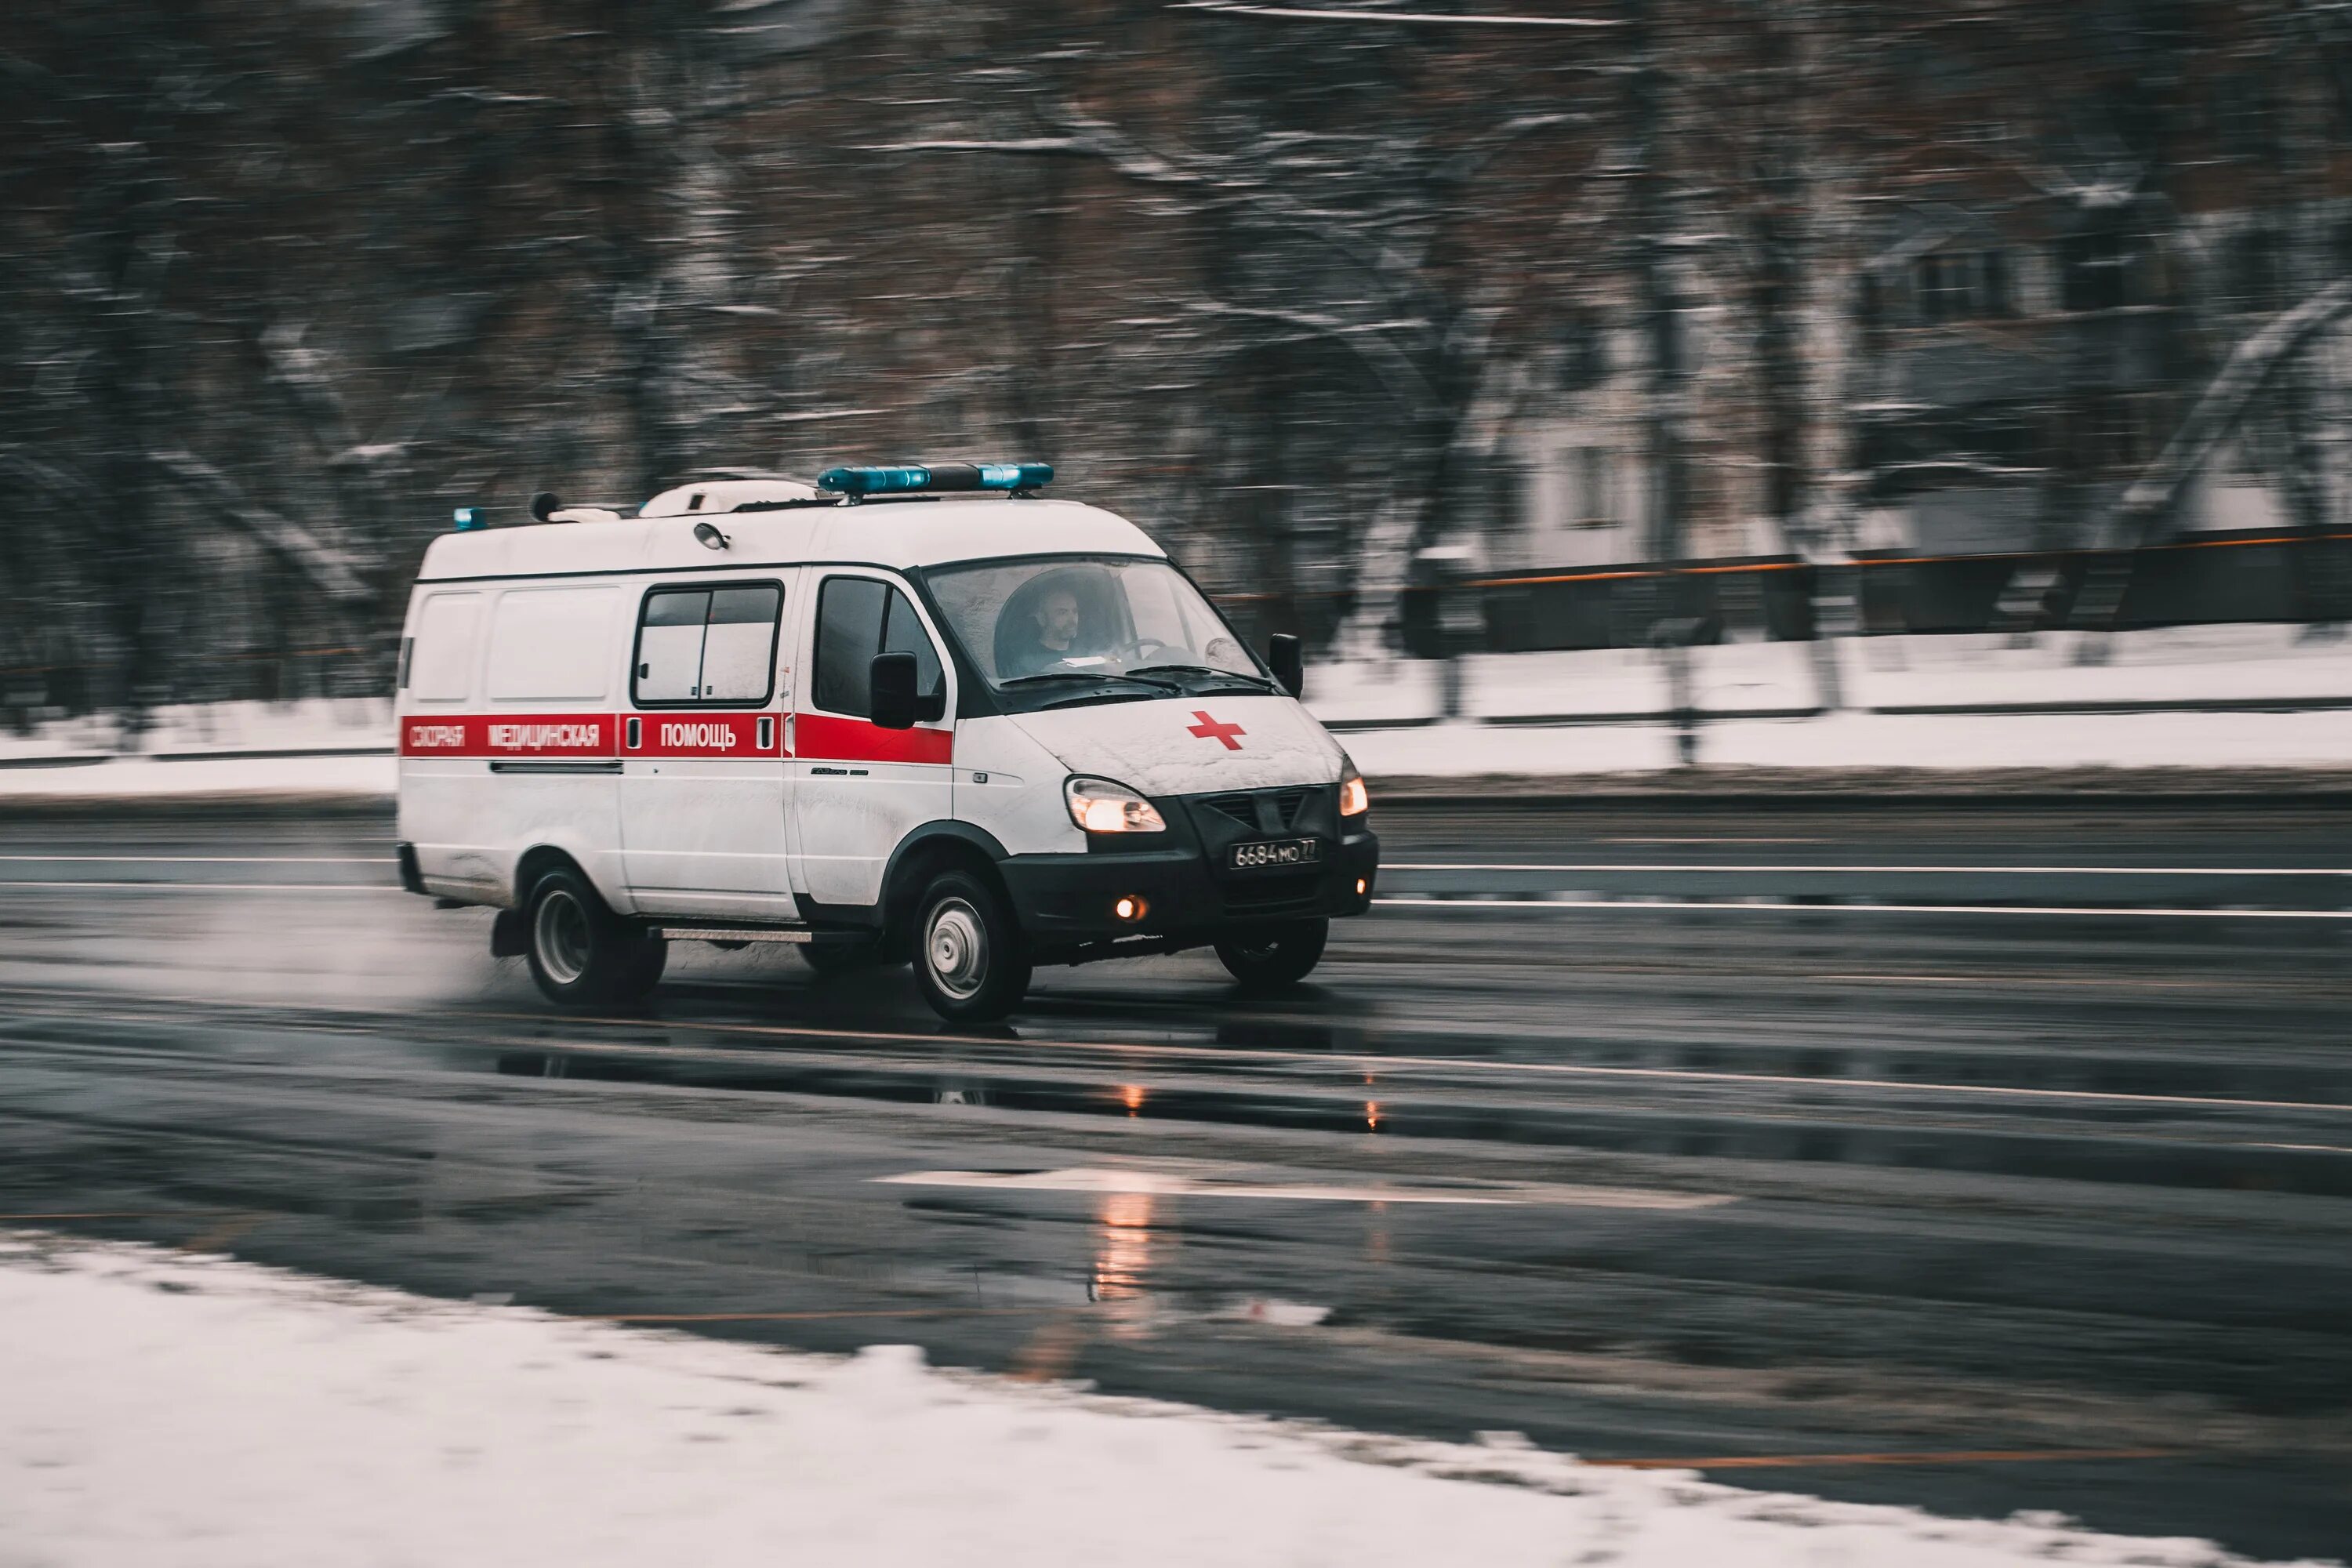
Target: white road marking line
{"type": "Point", "coordinates": [1091, 1179]}
{"type": "Point", "coordinates": [1860, 870]}
{"type": "Point", "coordinates": [1783, 907]}
{"type": "Point", "coordinates": [204, 859]}
{"type": "Point", "coordinates": [1700, 838]}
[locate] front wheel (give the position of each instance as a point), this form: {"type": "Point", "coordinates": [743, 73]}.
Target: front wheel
{"type": "Point", "coordinates": [1269, 957]}
{"type": "Point", "coordinates": [970, 957]}
{"type": "Point", "coordinates": [581, 954]}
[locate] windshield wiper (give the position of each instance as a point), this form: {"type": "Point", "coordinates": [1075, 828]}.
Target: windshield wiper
{"type": "Point", "coordinates": [1168, 686]}
{"type": "Point", "coordinates": [1256, 682]}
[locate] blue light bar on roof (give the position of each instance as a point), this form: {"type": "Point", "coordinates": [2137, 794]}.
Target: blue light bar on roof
{"type": "Point", "coordinates": [905, 478]}
{"type": "Point", "coordinates": [467, 518]}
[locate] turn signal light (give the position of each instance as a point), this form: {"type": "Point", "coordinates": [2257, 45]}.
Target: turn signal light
{"type": "Point", "coordinates": [1362, 887]}
{"type": "Point", "coordinates": [1354, 798]}
{"type": "Point", "coordinates": [1132, 908]}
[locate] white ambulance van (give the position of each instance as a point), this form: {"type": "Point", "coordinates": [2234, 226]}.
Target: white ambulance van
{"type": "Point", "coordinates": [915, 712]}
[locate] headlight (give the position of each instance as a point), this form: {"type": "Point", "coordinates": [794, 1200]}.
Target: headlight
{"type": "Point", "coordinates": [1099, 806]}
{"type": "Point", "coordinates": [1354, 799]}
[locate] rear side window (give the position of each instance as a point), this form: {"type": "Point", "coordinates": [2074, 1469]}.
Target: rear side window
{"type": "Point", "coordinates": [704, 646]}
{"type": "Point", "coordinates": [552, 645]}
{"type": "Point", "coordinates": [447, 647]}
{"type": "Point", "coordinates": [859, 617]}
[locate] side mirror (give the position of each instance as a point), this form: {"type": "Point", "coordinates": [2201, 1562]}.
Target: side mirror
{"type": "Point", "coordinates": [891, 679]}
{"type": "Point", "coordinates": [1289, 666]}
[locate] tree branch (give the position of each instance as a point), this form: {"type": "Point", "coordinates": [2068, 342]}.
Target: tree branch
{"type": "Point", "coordinates": [2249, 370]}
{"type": "Point", "coordinates": [329, 570]}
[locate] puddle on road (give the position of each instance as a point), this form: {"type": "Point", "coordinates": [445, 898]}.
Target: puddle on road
{"type": "Point", "coordinates": [2112, 1146]}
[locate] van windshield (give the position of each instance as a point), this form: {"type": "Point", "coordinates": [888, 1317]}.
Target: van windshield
{"type": "Point", "coordinates": [1052, 631]}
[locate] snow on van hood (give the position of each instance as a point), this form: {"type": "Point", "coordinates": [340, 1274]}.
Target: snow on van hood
{"type": "Point", "coordinates": [1154, 747]}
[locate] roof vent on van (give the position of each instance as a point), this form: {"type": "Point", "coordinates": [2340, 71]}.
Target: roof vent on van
{"type": "Point", "coordinates": [738, 490]}
{"type": "Point", "coordinates": [545, 508]}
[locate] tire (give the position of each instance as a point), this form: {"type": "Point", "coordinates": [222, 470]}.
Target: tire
{"type": "Point", "coordinates": [1267, 958]}
{"type": "Point", "coordinates": [581, 954]}
{"type": "Point", "coordinates": [640, 968]}
{"type": "Point", "coordinates": [969, 956]}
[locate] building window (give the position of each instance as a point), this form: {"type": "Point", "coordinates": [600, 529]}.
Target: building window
{"type": "Point", "coordinates": [2094, 272]}
{"type": "Point", "coordinates": [2254, 266]}
{"type": "Point", "coordinates": [2246, 119]}
{"type": "Point", "coordinates": [1961, 285]}
{"type": "Point", "coordinates": [1588, 493]}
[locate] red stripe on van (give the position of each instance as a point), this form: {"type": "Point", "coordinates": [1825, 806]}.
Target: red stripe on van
{"type": "Point", "coordinates": [510, 735]}
{"type": "Point", "coordinates": [823, 738]}
{"type": "Point", "coordinates": [703, 735]}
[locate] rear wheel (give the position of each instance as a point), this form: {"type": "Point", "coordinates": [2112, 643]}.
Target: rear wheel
{"type": "Point", "coordinates": [581, 954]}
{"type": "Point", "coordinates": [1268, 957]}
{"type": "Point", "coordinates": [970, 957]}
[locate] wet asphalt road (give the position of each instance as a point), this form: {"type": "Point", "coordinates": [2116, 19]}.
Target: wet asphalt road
{"type": "Point", "coordinates": [1981, 1157]}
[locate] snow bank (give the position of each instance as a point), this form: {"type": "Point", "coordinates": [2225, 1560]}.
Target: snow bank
{"type": "Point", "coordinates": [2243, 664]}
{"type": "Point", "coordinates": [168, 1409]}
{"type": "Point", "coordinates": [133, 778]}
{"type": "Point", "coordinates": [313, 723]}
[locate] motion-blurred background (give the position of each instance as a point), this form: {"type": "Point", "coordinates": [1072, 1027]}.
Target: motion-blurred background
{"type": "Point", "coordinates": [1462, 327]}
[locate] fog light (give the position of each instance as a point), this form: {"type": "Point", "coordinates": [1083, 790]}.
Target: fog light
{"type": "Point", "coordinates": [1130, 907]}
{"type": "Point", "coordinates": [1362, 886]}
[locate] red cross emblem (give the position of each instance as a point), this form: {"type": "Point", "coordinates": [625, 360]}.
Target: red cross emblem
{"type": "Point", "coordinates": [1208, 729]}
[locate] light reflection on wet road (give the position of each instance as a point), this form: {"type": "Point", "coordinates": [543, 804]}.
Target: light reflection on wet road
{"type": "Point", "coordinates": [1981, 1193]}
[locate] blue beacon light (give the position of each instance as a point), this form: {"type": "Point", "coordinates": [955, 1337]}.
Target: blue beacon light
{"type": "Point", "coordinates": [908, 477]}
{"type": "Point", "coordinates": [1015, 476]}
{"type": "Point", "coordinates": [467, 518]}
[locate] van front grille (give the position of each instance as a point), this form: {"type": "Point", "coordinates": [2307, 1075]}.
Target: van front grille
{"type": "Point", "coordinates": [1242, 807]}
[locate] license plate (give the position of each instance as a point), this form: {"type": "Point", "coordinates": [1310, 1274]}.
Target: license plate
{"type": "Point", "coordinates": [1280, 852]}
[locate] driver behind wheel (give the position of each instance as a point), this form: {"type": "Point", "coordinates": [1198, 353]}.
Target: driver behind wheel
{"type": "Point", "coordinates": [1055, 614]}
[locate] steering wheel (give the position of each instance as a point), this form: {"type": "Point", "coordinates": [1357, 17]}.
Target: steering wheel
{"type": "Point", "coordinates": [1137, 649]}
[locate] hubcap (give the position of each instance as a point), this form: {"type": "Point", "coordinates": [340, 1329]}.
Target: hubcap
{"type": "Point", "coordinates": [560, 933]}
{"type": "Point", "coordinates": [956, 947]}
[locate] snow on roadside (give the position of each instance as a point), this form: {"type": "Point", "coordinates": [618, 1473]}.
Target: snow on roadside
{"type": "Point", "coordinates": [133, 778]}
{"type": "Point", "coordinates": [197, 727]}
{"type": "Point", "coordinates": [165, 1408]}
{"type": "Point", "coordinates": [1955, 742]}
{"type": "Point", "coordinates": [2254, 663]}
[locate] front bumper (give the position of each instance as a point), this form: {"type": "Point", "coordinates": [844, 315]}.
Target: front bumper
{"type": "Point", "coordinates": [1192, 897]}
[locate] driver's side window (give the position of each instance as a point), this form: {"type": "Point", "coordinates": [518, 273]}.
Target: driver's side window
{"type": "Point", "coordinates": [857, 618]}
